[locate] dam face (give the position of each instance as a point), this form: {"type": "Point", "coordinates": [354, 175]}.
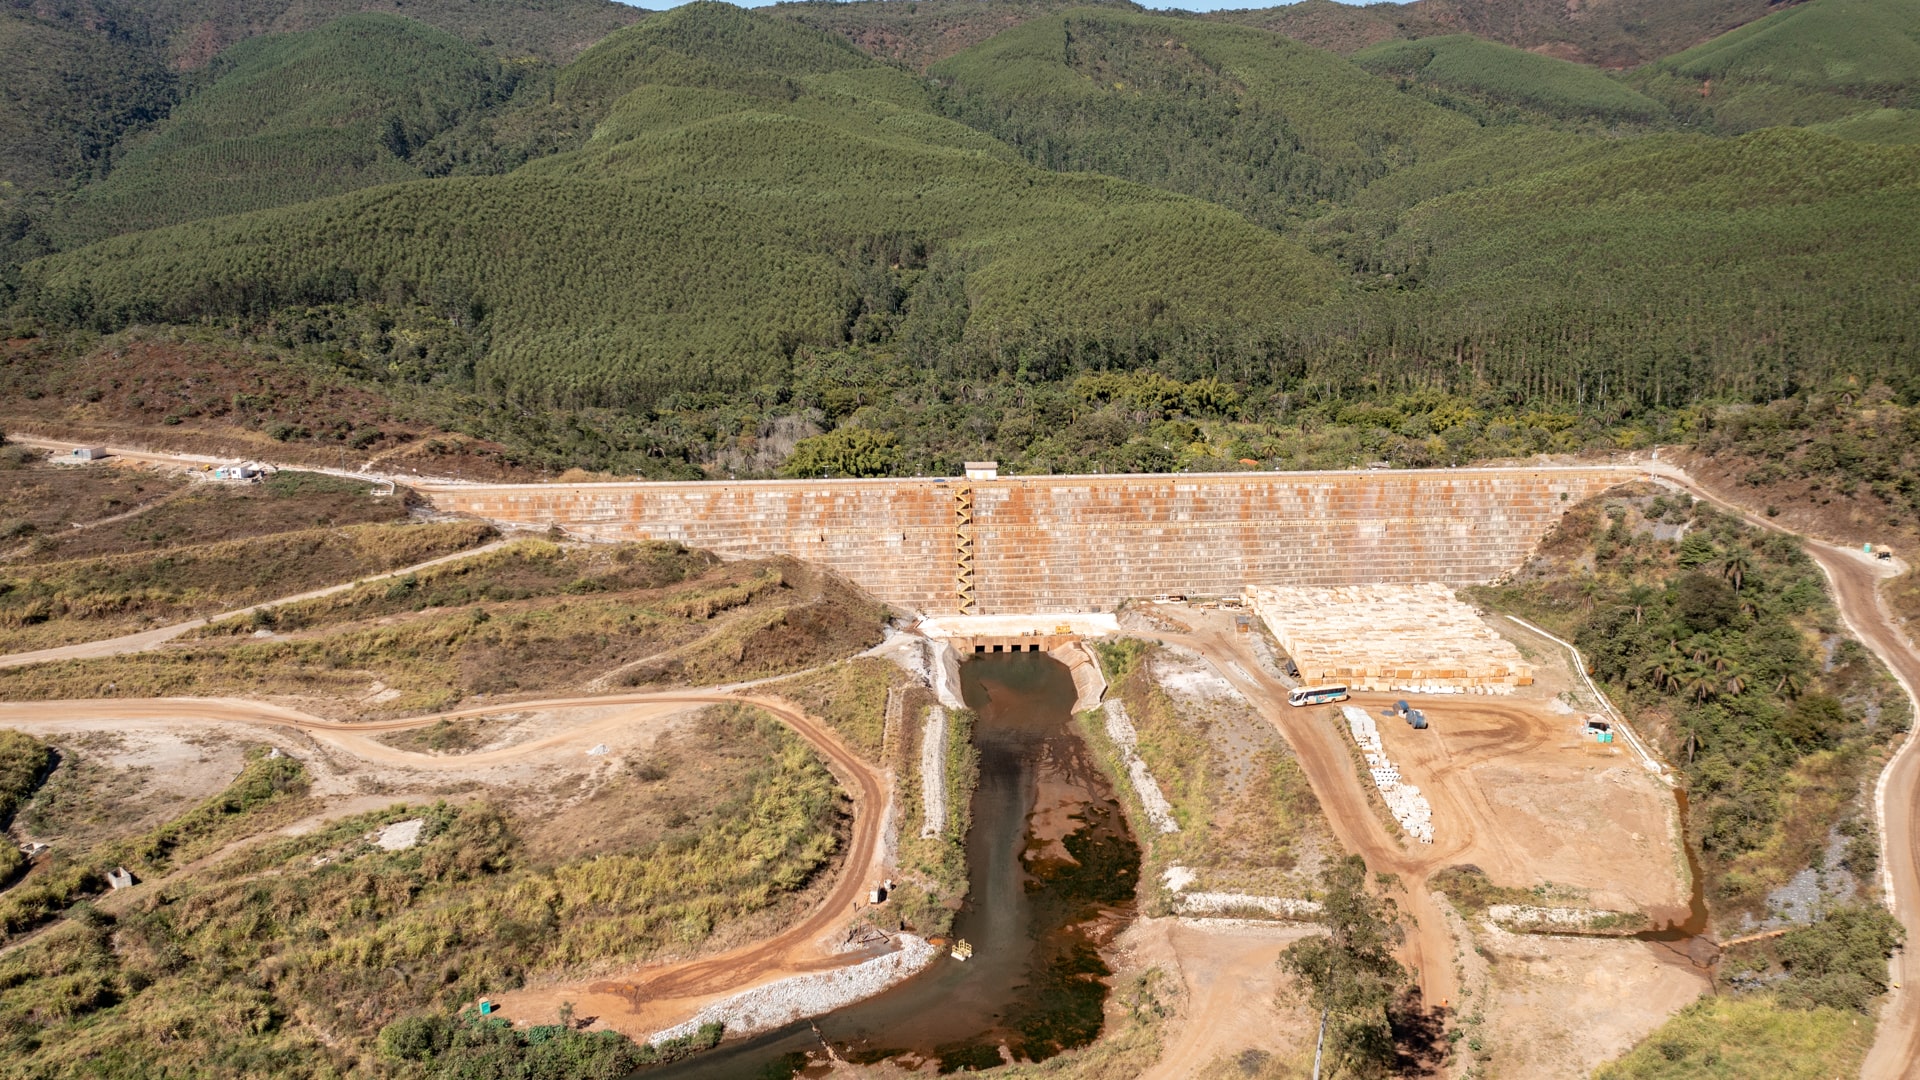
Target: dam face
{"type": "Point", "coordinates": [1073, 543]}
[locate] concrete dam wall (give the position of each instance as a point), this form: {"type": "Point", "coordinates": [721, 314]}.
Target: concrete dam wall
{"type": "Point", "coordinates": [1075, 543]}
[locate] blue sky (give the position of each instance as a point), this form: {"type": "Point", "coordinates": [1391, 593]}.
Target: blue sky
{"type": "Point", "coordinates": [1184, 5]}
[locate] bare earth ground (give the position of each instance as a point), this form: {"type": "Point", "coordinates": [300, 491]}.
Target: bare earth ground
{"type": "Point", "coordinates": [1518, 793]}
{"type": "Point", "coordinates": [1230, 972]}
{"type": "Point", "coordinates": [1537, 1005]}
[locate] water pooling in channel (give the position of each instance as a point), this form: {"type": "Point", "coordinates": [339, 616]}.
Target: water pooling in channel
{"type": "Point", "coordinates": [1052, 871]}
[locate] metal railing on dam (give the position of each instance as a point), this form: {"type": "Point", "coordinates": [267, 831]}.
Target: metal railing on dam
{"type": "Point", "coordinates": [1075, 543]}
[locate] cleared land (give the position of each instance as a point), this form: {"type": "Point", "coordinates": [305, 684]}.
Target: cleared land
{"type": "Point", "coordinates": [532, 618]}
{"type": "Point", "coordinates": [625, 801]}
{"type": "Point", "coordinates": [1502, 774]}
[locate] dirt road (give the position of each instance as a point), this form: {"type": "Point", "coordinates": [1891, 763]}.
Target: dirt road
{"type": "Point", "coordinates": [1324, 757]}
{"type": "Point", "coordinates": [149, 639]}
{"type": "Point", "coordinates": [666, 987]}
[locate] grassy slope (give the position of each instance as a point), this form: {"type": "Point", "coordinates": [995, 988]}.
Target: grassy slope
{"type": "Point", "coordinates": [1723, 1038]}
{"type": "Point", "coordinates": [702, 235]}
{"type": "Point", "coordinates": [294, 117]}
{"type": "Point", "coordinates": [1816, 62]}
{"type": "Point", "coordinates": [1501, 73]}
{"type": "Point", "coordinates": [1245, 118]}
{"type": "Point", "coordinates": [341, 937]}
{"type": "Point", "coordinates": [530, 620]}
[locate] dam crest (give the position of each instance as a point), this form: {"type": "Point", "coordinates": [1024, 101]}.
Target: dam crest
{"type": "Point", "coordinates": [987, 544]}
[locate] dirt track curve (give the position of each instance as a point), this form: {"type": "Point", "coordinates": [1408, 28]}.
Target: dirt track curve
{"type": "Point", "coordinates": [790, 951]}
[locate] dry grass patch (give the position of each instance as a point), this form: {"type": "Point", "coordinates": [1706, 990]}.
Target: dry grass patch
{"type": "Point", "coordinates": [290, 956]}
{"type": "Point", "coordinates": [1722, 1038]}
{"type": "Point", "coordinates": [380, 651]}
{"type": "Point", "coordinates": [59, 603]}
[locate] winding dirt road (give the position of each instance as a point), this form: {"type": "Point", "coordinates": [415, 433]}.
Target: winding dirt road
{"type": "Point", "coordinates": [667, 988]}
{"type": "Point", "coordinates": [1855, 584]}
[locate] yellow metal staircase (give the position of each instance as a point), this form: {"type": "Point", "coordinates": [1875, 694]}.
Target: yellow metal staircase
{"type": "Point", "coordinates": [963, 548]}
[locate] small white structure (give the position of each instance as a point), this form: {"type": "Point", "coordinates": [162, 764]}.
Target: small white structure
{"type": "Point", "coordinates": [120, 878]}
{"type": "Point", "coordinates": [89, 453]}
{"type": "Point", "coordinates": [983, 470]}
{"type": "Point", "coordinates": [240, 473]}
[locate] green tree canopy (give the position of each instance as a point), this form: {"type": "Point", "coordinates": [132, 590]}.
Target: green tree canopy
{"type": "Point", "coordinates": [849, 451]}
{"type": "Point", "coordinates": [1349, 972]}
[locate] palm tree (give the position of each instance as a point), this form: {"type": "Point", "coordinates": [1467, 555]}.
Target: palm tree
{"type": "Point", "coordinates": [1789, 685]}
{"type": "Point", "coordinates": [1698, 681]}
{"type": "Point", "coordinates": [1735, 565]}
{"type": "Point", "coordinates": [1640, 596]}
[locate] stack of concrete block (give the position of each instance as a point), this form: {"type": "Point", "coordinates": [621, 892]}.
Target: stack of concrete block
{"type": "Point", "coordinates": [1404, 801]}
{"type": "Point", "coordinates": [1414, 638]}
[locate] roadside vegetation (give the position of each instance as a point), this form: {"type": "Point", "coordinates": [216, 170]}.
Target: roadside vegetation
{"type": "Point", "coordinates": [1348, 974]}
{"type": "Point", "coordinates": [1734, 1038]}
{"type": "Point", "coordinates": [533, 618]}
{"type": "Point", "coordinates": [325, 954]}
{"type": "Point", "coordinates": [1720, 643]}
{"type": "Point", "coordinates": [851, 696]}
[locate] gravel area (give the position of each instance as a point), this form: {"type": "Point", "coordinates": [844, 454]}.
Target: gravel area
{"type": "Point", "coordinates": [400, 835]}
{"type": "Point", "coordinates": [1213, 903]}
{"type": "Point", "coordinates": [1121, 730]}
{"type": "Point", "coordinates": [777, 1004]}
{"type": "Point", "coordinates": [933, 773]}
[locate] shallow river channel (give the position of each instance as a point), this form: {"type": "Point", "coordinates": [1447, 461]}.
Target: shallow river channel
{"type": "Point", "coordinates": [1052, 870]}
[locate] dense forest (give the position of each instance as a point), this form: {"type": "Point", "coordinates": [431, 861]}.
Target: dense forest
{"type": "Point", "coordinates": [1068, 237]}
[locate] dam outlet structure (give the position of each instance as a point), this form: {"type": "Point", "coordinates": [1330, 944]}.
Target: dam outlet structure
{"type": "Point", "coordinates": [1009, 544]}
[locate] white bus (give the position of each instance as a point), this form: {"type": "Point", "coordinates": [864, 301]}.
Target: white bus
{"type": "Point", "coordinates": [1316, 695]}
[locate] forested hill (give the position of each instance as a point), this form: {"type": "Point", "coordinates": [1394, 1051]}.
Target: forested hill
{"type": "Point", "coordinates": [82, 75]}
{"type": "Point", "coordinates": [719, 223]}
{"type": "Point", "coordinates": [363, 100]}
{"type": "Point", "coordinates": [754, 187]}
{"type": "Point", "coordinates": [1610, 33]}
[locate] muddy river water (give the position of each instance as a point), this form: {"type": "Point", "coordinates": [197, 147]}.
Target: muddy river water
{"type": "Point", "coordinates": [1052, 871]}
